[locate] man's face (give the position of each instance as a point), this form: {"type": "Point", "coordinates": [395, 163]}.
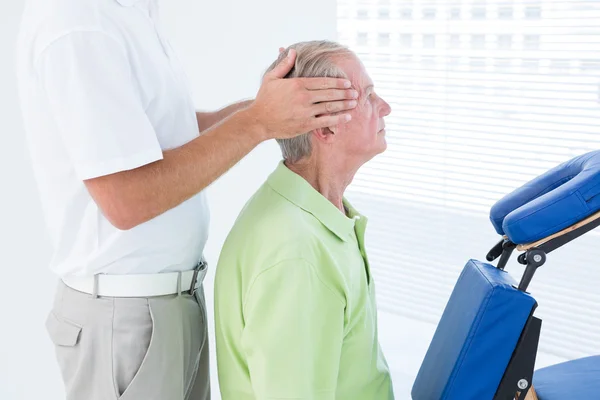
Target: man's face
{"type": "Point", "coordinates": [364, 136]}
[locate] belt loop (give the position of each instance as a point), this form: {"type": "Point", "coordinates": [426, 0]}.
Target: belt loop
{"type": "Point", "coordinates": [200, 266]}
{"type": "Point", "coordinates": [95, 288]}
{"type": "Point", "coordinates": [179, 283]}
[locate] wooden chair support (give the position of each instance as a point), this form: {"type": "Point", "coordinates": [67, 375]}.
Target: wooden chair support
{"type": "Point", "coordinates": [531, 395]}
{"type": "Point", "coordinates": [591, 218]}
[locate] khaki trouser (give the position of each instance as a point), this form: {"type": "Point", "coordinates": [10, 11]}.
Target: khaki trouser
{"type": "Point", "coordinates": [131, 348]}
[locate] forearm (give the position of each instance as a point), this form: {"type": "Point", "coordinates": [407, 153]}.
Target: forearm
{"type": "Point", "coordinates": [282, 109]}
{"type": "Point", "coordinates": [149, 191]}
{"type": "Point", "coordinates": [208, 119]}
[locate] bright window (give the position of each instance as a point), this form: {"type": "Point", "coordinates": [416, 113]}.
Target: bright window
{"type": "Point", "coordinates": [485, 96]}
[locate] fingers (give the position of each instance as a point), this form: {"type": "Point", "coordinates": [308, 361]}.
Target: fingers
{"type": "Point", "coordinates": [333, 107]}
{"type": "Point", "coordinates": [329, 120]}
{"type": "Point", "coordinates": [317, 96]}
{"type": "Point", "coordinates": [281, 50]}
{"type": "Point", "coordinates": [283, 67]}
{"type": "Point", "coordinates": [325, 83]}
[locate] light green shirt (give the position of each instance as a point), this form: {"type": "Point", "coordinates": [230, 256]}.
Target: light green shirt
{"type": "Point", "coordinates": [295, 312]}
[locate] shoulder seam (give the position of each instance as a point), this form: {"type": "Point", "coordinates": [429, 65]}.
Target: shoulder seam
{"type": "Point", "coordinates": [68, 32]}
{"type": "Point", "coordinates": [312, 267]}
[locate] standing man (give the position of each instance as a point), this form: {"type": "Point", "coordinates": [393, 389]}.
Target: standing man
{"type": "Point", "coordinates": [121, 159]}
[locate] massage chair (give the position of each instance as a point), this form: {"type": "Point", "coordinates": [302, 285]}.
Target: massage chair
{"type": "Point", "coordinates": [485, 345]}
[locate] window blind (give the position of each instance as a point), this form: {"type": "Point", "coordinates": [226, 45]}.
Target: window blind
{"type": "Point", "coordinates": [485, 95]}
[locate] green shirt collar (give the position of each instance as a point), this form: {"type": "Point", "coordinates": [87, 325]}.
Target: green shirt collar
{"type": "Point", "coordinates": [299, 192]}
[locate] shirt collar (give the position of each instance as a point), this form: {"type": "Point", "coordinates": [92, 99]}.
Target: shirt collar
{"type": "Point", "coordinates": [299, 192]}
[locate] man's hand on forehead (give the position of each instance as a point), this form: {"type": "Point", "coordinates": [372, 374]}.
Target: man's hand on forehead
{"type": "Point", "coordinates": [293, 106]}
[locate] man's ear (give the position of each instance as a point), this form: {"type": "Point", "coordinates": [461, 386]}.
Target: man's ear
{"type": "Point", "coordinates": [325, 135]}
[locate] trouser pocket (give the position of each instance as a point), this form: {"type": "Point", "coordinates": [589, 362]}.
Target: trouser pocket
{"type": "Point", "coordinates": [65, 336]}
{"type": "Point", "coordinates": [62, 332]}
{"type": "Point", "coordinates": [81, 328]}
{"type": "Point", "coordinates": [131, 338]}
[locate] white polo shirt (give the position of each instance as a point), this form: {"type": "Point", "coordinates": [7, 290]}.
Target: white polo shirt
{"type": "Point", "coordinates": [101, 91]}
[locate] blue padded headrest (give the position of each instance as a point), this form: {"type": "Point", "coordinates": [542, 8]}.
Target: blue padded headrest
{"type": "Point", "coordinates": [551, 202]}
{"type": "Point", "coordinates": [475, 338]}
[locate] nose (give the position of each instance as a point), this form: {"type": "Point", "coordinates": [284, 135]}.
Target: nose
{"type": "Point", "coordinates": [385, 108]}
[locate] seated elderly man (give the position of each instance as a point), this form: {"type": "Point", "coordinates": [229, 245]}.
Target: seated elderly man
{"type": "Point", "coordinates": [295, 311]}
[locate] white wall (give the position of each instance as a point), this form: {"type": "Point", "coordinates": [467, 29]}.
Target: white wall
{"type": "Point", "coordinates": [225, 55]}
{"type": "Point", "coordinates": [26, 287]}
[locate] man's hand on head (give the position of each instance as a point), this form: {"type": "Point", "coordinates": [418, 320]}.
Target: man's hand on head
{"type": "Point", "coordinates": [285, 108]}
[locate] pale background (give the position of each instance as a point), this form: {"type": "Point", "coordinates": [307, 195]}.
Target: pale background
{"type": "Point", "coordinates": [225, 54]}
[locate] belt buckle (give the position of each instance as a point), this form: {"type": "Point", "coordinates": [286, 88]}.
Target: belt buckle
{"type": "Point", "coordinates": [200, 267]}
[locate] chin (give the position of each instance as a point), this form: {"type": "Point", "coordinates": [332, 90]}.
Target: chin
{"type": "Point", "coordinates": [381, 147]}
{"type": "Point", "coordinates": [382, 142]}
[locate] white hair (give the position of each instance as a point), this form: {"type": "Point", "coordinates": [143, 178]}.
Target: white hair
{"type": "Point", "coordinates": [313, 59]}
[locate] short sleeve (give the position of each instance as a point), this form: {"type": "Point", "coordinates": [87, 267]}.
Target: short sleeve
{"type": "Point", "coordinates": [293, 334]}
{"type": "Point", "coordinates": [93, 100]}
